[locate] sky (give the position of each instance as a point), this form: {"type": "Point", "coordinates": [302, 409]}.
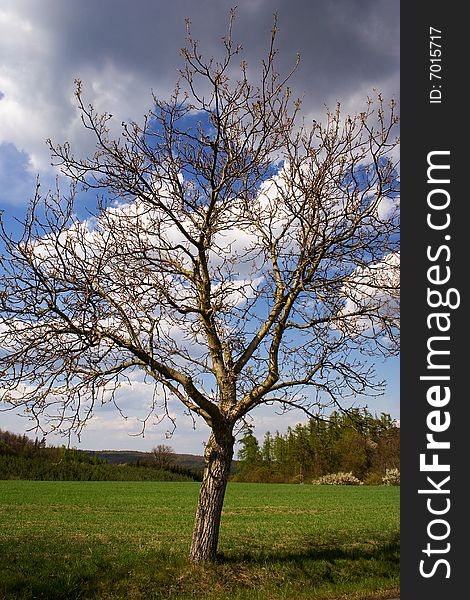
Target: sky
{"type": "Point", "coordinates": [122, 51]}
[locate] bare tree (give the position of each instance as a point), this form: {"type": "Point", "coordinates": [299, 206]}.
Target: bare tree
{"type": "Point", "coordinates": [239, 256]}
{"type": "Point", "coordinates": [163, 456]}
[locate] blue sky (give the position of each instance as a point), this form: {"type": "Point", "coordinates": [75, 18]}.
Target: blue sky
{"type": "Point", "coordinates": [122, 50]}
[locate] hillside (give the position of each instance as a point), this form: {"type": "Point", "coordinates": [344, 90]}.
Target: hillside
{"type": "Point", "coordinates": [24, 458]}
{"type": "Point", "coordinates": [119, 457]}
{"type": "Point", "coordinates": [192, 462]}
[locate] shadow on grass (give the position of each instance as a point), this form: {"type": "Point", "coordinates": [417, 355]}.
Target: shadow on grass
{"type": "Point", "coordinates": [43, 571]}
{"type": "Point", "coordinates": [389, 550]}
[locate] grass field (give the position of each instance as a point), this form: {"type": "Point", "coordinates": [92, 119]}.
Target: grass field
{"type": "Point", "coordinates": [129, 540]}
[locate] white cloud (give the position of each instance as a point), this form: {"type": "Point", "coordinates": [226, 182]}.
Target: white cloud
{"type": "Point", "coordinates": [375, 288]}
{"type": "Point", "coordinates": [37, 76]}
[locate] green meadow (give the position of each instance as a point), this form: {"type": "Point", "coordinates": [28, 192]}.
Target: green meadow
{"type": "Point", "coordinates": [129, 540]}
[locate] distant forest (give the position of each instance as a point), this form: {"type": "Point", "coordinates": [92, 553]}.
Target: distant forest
{"type": "Point", "coordinates": [354, 442]}
{"type": "Point", "coordinates": [24, 458]}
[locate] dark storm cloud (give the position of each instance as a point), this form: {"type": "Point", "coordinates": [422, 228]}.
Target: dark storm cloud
{"type": "Point", "coordinates": [121, 50]}
{"type": "Point", "coordinates": [344, 44]}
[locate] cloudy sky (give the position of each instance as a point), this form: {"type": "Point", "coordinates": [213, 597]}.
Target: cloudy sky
{"type": "Point", "coordinates": [122, 50]}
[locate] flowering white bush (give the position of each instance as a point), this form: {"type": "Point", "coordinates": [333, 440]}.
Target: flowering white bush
{"type": "Point", "coordinates": [391, 477]}
{"type": "Point", "coordinates": [337, 479]}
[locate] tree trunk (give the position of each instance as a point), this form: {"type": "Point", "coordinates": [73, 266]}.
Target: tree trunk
{"type": "Point", "coordinates": [218, 458]}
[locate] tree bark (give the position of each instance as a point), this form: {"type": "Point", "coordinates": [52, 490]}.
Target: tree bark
{"type": "Point", "coordinates": [218, 458]}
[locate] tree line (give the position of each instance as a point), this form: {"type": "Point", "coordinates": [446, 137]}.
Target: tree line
{"type": "Point", "coordinates": [24, 458]}
{"type": "Point", "coordinates": [354, 442]}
